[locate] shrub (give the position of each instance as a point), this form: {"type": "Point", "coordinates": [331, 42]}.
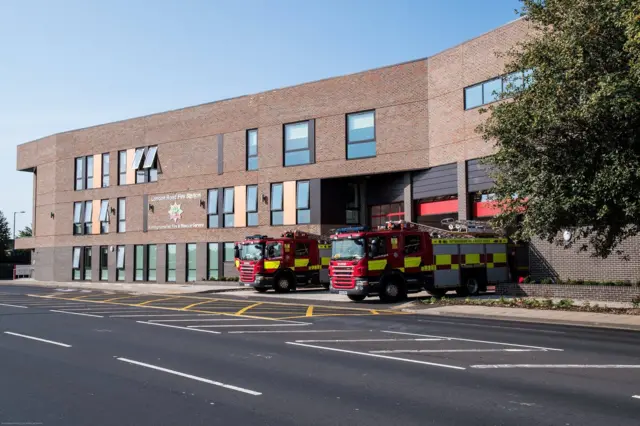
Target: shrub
{"type": "Point", "coordinates": [636, 302]}
{"type": "Point", "coordinates": [546, 281]}
{"type": "Point", "coordinates": [565, 303]}
{"type": "Point", "coordinates": [547, 303]}
{"type": "Point", "coordinates": [527, 280]}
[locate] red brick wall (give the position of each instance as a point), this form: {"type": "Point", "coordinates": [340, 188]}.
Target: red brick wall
{"type": "Point", "coordinates": [569, 291]}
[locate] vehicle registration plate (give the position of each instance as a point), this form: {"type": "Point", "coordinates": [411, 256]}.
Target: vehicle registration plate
{"type": "Point", "coordinates": [342, 292]}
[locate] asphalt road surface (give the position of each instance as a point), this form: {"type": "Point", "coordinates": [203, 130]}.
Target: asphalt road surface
{"type": "Point", "coordinates": [89, 358]}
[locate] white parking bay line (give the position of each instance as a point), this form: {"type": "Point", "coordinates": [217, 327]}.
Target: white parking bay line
{"type": "Point", "coordinates": [76, 313]}
{"type": "Point", "coordinates": [161, 315]}
{"type": "Point", "coordinates": [203, 319]}
{"type": "Point", "coordinates": [436, 351]}
{"type": "Point", "coordinates": [368, 340]}
{"type": "Point", "coordinates": [473, 340]}
{"type": "Point", "coordinates": [191, 327]}
{"type": "Point", "coordinates": [454, 367]}
{"type": "Point", "coordinates": [189, 376]}
{"type": "Point", "coordinates": [38, 339]}
{"type": "Point", "coordinates": [487, 366]}
{"type": "Point", "coordinates": [292, 331]}
{"type": "Point", "coordinates": [177, 326]}
{"type": "Point", "coordinates": [635, 396]}
{"type": "Point", "coordinates": [13, 306]}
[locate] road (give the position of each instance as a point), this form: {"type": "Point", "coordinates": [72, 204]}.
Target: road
{"type": "Point", "coordinates": [78, 358]}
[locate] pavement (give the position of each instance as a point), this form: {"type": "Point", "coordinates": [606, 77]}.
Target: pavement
{"type": "Point", "coordinates": [81, 357]}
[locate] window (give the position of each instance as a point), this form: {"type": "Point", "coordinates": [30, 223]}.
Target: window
{"type": "Point", "coordinates": [277, 215]}
{"type": "Point", "coordinates": [77, 218]}
{"type": "Point", "coordinates": [138, 263]}
{"type": "Point", "coordinates": [152, 262]}
{"type": "Point", "coordinates": [212, 209]}
{"type": "Point", "coordinates": [87, 263]}
{"type": "Point", "coordinates": [141, 174]}
{"type": "Point", "coordinates": [380, 214]}
{"type": "Point", "coordinates": [252, 149]}
{"type": "Point", "coordinates": [382, 246]}
{"type": "Point", "coordinates": [120, 265]}
{"type": "Point", "coordinates": [491, 90]}
{"type": "Point", "coordinates": [297, 144]}
{"type": "Point", "coordinates": [252, 205]}
{"type": "Point", "coordinates": [303, 212]}
{"type": "Point", "coordinates": [228, 254]}
{"type": "Point", "coordinates": [228, 207]}
{"type": "Point", "coordinates": [171, 262]}
{"type": "Point", "coordinates": [104, 216]}
{"type": "Point", "coordinates": [122, 167]}
{"type": "Point", "coordinates": [151, 164]}
{"type": "Point", "coordinates": [212, 261]}
{"type": "Point", "coordinates": [122, 214]}
{"type": "Point", "coordinates": [302, 249]}
{"type": "Point", "coordinates": [105, 170]}
{"type": "Point", "coordinates": [104, 263]}
{"type": "Point", "coordinates": [353, 205]}
{"type": "Point", "coordinates": [88, 210]}
{"type": "Point", "coordinates": [77, 272]}
{"type": "Point", "coordinates": [412, 244]}
{"type": "Point", "coordinates": [79, 174]}
{"type": "Point", "coordinates": [273, 250]}
{"type": "Point", "coordinates": [89, 169]}
{"type": "Point", "coordinates": [361, 135]}
{"type": "Point", "coordinates": [145, 164]}
{"type": "Point", "coordinates": [191, 263]}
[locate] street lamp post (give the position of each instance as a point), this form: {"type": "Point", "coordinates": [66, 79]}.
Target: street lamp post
{"type": "Point", "coordinates": [14, 228]}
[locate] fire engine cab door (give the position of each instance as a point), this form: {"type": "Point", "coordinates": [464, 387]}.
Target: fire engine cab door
{"type": "Point", "coordinates": [413, 252]}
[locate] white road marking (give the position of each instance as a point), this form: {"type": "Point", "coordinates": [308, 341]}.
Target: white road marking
{"type": "Point", "coordinates": [487, 366]}
{"type": "Point", "coordinates": [245, 325]}
{"type": "Point", "coordinates": [38, 339]}
{"type": "Point", "coordinates": [77, 313]}
{"type": "Point", "coordinates": [635, 396]}
{"type": "Point", "coordinates": [473, 340]}
{"type": "Point", "coordinates": [415, 351]}
{"type": "Point", "coordinates": [537, 330]}
{"type": "Point", "coordinates": [203, 319]}
{"type": "Point", "coordinates": [292, 331]}
{"type": "Point", "coordinates": [161, 315]}
{"type": "Point", "coordinates": [378, 356]}
{"type": "Point", "coordinates": [13, 306]}
{"type": "Point", "coordinates": [189, 376]}
{"type": "Point", "coordinates": [177, 326]}
{"type": "Point", "coordinates": [116, 312]}
{"type": "Point", "coordinates": [368, 340]}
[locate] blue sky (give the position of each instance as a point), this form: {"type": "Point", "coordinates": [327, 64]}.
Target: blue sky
{"type": "Point", "coordinates": [68, 64]}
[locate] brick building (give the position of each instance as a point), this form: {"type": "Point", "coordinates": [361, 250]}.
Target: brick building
{"type": "Point", "coordinates": [162, 197]}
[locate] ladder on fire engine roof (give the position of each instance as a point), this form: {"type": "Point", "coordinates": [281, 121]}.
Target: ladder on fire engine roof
{"type": "Point", "coordinates": [457, 229]}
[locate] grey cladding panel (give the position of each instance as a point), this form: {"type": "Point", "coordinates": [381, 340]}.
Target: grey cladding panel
{"type": "Point", "coordinates": [383, 189]}
{"type": "Point", "coordinates": [436, 181]}
{"type": "Point", "coordinates": [478, 178]}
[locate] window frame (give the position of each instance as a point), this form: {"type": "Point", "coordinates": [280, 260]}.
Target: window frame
{"type": "Point", "coordinates": [149, 276]}
{"type": "Point", "coordinates": [103, 266]}
{"type": "Point", "coordinates": [175, 261]}
{"type": "Point", "coordinates": [226, 213]}
{"type": "Point", "coordinates": [210, 259]}
{"type": "Point", "coordinates": [310, 143]}
{"type": "Point", "coordinates": [104, 223]}
{"type": "Point", "coordinates": [88, 172]}
{"type": "Point", "coordinates": [78, 226]}
{"type": "Point", "coordinates": [121, 270]}
{"type": "Point", "coordinates": [308, 202]}
{"type": "Point", "coordinates": [419, 245]}
{"type": "Point", "coordinates": [87, 261]}
{"type": "Point", "coordinates": [249, 155]}
{"type": "Point", "coordinates": [122, 167]}
{"type": "Point", "coordinates": [252, 211]}
{"type": "Point", "coordinates": [79, 163]}
{"type": "Point", "coordinates": [504, 81]}
{"type": "Point", "coordinates": [76, 263]}
{"type": "Point", "coordinates": [87, 224]}
{"type": "Point", "coordinates": [213, 206]}
{"type": "Point", "coordinates": [375, 134]}
{"type": "Point", "coordinates": [279, 209]}
{"type": "Point", "coordinates": [121, 215]}
{"type": "Point", "coordinates": [189, 270]}
{"type": "Point", "coordinates": [224, 252]}
{"type": "Point", "coordinates": [139, 265]}
{"type": "Point", "coordinates": [106, 179]}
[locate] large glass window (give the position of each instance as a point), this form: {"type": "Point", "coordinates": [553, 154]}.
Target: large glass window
{"type": "Point", "coordinates": [88, 211]}
{"type": "Point", "coordinates": [228, 254]}
{"type": "Point", "coordinates": [79, 174]}
{"type": "Point", "coordinates": [353, 205]}
{"type": "Point", "coordinates": [152, 262]}
{"type": "Point", "coordinates": [104, 216]}
{"type": "Point", "coordinates": [105, 170]}
{"type": "Point", "coordinates": [277, 214]}
{"type": "Point", "coordinates": [303, 211]}
{"type": "Point", "coordinates": [171, 262]}
{"type": "Point", "coordinates": [252, 149]}
{"type": "Point", "coordinates": [212, 261]}
{"type": "Point", "coordinates": [297, 144]}
{"type": "Point", "coordinates": [76, 271]}
{"type": "Point", "coordinates": [212, 209]}
{"type": "Point", "coordinates": [122, 167]}
{"type": "Point", "coordinates": [491, 90]}
{"type": "Point", "coordinates": [361, 135]}
{"type": "Point", "coordinates": [87, 263]}
{"type": "Point", "coordinates": [252, 205]}
{"type": "Point", "coordinates": [89, 168]}
{"type": "Point", "coordinates": [120, 263]}
{"type": "Point", "coordinates": [228, 207]}
{"type": "Point", "coordinates": [380, 214]}
{"type": "Point", "coordinates": [192, 270]}
{"type": "Point", "coordinates": [78, 227]}
{"type": "Point", "coordinates": [138, 263]}
{"type": "Point", "coordinates": [104, 263]}
{"type": "Point", "coordinates": [122, 215]}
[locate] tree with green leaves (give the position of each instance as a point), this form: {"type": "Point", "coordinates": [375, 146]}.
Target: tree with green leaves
{"type": "Point", "coordinates": [568, 148]}
{"type": "Point", "coordinates": [26, 232]}
{"type": "Point", "coordinates": [5, 235]}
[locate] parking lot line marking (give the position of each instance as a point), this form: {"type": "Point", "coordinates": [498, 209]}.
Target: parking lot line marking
{"type": "Point", "coordinates": [196, 304]}
{"type": "Point", "coordinates": [202, 319]}
{"type": "Point", "coordinates": [604, 366]}
{"type": "Point", "coordinates": [537, 330]}
{"type": "Point", "coordinates": [473, 340]}
{"type": "Point", "coordinates": [159, 315]}
{"type": "Point", "coordinates": [177, 326]}
{"type": "Point", "coordinates": [113, 299]}
{"type": "Point", "coordinates": [374, 312]}
{"type": "Point", "coordinates": [38, 339]}
{"type": "Point", "coordinates": [368, 340]}
{"type": "Point", "coordinates": [309, 311]}
{"type": "Point", "coordinates": [416, 351]}
{"type": "Point", "coordinates": [192, 377]}
{"type": "Point", "coordinates": [246, 308]}
{"type": "Point", "coordinates": [292, 331]}
{"type": "Point", "coordinates": [635, 396]}
{"type": "Point", "coordinates": [454, 367]}
{"type": "Point", "coordinates": [13, 306]}
{"type": "Point", "coordinates": [73, 298]}
{"type": "Point", "coordinates": [157, 300]}
{"type": "Point", "coordinates": [76, 313]}
{"type": "Point", "coordinates": [246, 325]}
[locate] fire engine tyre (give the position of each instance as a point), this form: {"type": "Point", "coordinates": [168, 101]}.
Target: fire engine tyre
{"type": "Point", "coordinates": [392, 290]}
{"type": "Point", "coordinates": [356, 297]}
{"type": "Point", "coordinates": [283, 284]}
{"type": "Point", "coordinates": [471, 287]}
{"type": "Point", "coordinates": [261, 289]}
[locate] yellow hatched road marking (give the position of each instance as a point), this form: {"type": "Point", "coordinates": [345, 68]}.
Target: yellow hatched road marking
{"type": "Point", "coordinates": [309, 311]}
{"type": "Point", "coordinates": [246, 308]}
{"type": "Point", "coordinates": [73, 298]}
{"type": "Point", "coordinates": [118, 298]}
{"type": "Point", "coordinates": [374, 312]}
{"type": "Point", "coordinates": [157, 300]}
{"type": "Point", "coordinates": [196, 304]}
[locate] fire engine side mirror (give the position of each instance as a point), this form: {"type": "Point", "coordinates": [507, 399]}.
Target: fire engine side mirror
{"type": "Point", "coordinates": [271, 251]}
{"type": "Point", "coordinates": [236, 251]}
{"type": "Point", "coordinates": [373, 248]}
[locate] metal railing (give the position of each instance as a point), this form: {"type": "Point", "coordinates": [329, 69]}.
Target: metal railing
{"type": "Point", "coordinates": [22, 271]}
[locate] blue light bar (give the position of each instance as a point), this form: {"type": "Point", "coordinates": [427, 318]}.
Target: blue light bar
{"type": "Point", "coordinates": [352, 229]}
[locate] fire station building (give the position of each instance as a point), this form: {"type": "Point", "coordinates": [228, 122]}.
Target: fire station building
{"type": "Point", "coordinates": [162, 198]}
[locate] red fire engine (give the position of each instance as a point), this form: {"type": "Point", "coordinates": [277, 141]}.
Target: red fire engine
{"type": "Point", "coordinates": [285, 263]}
{"type": "Point", "coordinates": [403, 258]}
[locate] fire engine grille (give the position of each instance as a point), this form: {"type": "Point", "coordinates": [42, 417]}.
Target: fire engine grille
{"type": "Point", "coordinates": [246, 274]}
{"type": "Point", "coordinates": [342, 277]}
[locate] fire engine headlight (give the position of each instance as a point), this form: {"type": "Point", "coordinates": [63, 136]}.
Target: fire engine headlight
{"type": "Point", "coordinates": [259, 277]}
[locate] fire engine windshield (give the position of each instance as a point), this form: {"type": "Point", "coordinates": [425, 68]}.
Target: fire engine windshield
{"type": "Point", "coordinates": [348, 249]}
{"type": "Point", "coordinates": [251, 251]}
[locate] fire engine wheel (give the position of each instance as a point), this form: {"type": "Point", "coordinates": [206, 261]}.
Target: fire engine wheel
{"type": "Point", "coordinates": [356, 297]}
{"type": "Point", "coordinates": [471, 287]}
{"type": "Point", "coordinates": [392, 291]}
{"type": "Point", "coordinates": [282, 284]}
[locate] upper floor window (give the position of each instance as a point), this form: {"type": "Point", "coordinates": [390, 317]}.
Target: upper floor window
{"type": "Point", "coordinates": [252, 149]}
{"type": "Point", "coordinates": [105, 170]}
{"type": "Point", "coordinates": [227, 209]}
{"type": "Point", "coordinates": [122, 215]}
{"type": "Point", "coordinates": [491, 90]}
{"type": "Point", "coordinates": [212, 209]}
{"type": "Point", "coordinates": [89, 172]}
{"type": "Point", "coordinates": [277, 214]}
{"type": "Point", "coordinates": [122, 167]}
{"type": "Point", "coordinates": [88, 211]}
{"type": "Point", "coordinates": [299, 143]}
{"type": "Point", "coordinates": [77, 218]}
{"type": "Point", "coordinates": [84, 173]}
{"type": "Point", "coordinates": [361, 135]}
{"type": "Point", "coordinates": [252, 205]}
{"type": "Point", "coordinates": [144, 163]}
{"type": "Point", "coordinates": [303, 212]}
{"type": "Point", "coordinates": [104, 216]}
